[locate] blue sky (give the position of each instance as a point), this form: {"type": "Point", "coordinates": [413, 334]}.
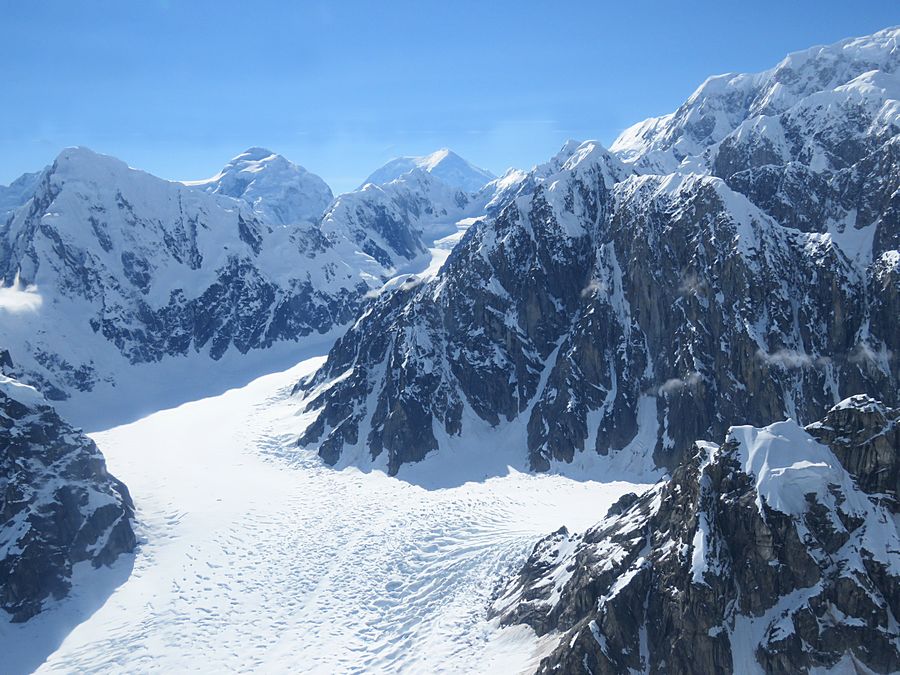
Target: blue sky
{"type": "Point", "coordinates": [177, 88]}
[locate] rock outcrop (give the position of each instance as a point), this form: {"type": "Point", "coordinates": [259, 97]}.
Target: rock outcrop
{"type": "Point", "coordinates": [769, 553]}
{"type": "Point", "coordinates": [59, 507]}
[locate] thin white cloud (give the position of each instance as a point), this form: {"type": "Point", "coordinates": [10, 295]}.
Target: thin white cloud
{"type": "Point", "coordinates": [676, 383]}
{"type": "Point", "coordinates": [18, 298]}
{"type": "Point", "coordinates": [594, 287]}
{"type": "Point", "coordinates": [691, 283]}
{"type": "Point", "coordinates": [864, 354]}
{"type": "Point", "coordinates": [791, 359]}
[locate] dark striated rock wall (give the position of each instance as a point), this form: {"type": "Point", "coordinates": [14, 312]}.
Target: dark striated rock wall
{"type": "Point", "coordinates": [715, 571]}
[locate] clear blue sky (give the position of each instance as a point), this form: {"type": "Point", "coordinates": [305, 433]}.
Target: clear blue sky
{"type": "Point", "coordinates": [178, 87]}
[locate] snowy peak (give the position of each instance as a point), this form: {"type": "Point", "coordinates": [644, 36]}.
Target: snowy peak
{"type": "Point", "coordinates": [443, 164]}
{"type": "Point", "coordinates": [387, 221]}
{"type": "Point", "coordinates": [79, 163]}
{"type": "Point", "coordinates": [719, 105]}
{"type": "Point", "coordinates": [18, 192]}
{"type": "Point", "coordinates": [133, 269]}
{"type": "Point", "coordinates": [280, 191]}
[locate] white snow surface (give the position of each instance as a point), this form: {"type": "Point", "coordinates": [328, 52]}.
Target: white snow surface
{"type": "Point", "coordinates": [443, 164]}
{"type": "Point", "coordinates": [18, 192]}
{"type": "Point", "coordinates": [815, 80]}
{"type": "Point", "coordinates": [278, 190]}
{"type": "Point", "coordinates": [255, 556]}
{"type": "Point", "coordinates": [788, 464]}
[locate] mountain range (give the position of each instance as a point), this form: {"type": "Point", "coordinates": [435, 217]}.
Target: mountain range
{"type": "Point", "coordinates": [713, 299]}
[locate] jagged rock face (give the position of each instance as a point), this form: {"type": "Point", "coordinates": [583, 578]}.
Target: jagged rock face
{"type": "Point", "coordinates": [279, 191]}
{"type": "Point", "coordinates": [414, 348]}
{"type": "Point", "coordinates": [864, 434]}
{"type": "Point", "coordinates": [764, 554]}
{"type": "Point", "coordinates": [617, 312]}
{"type": "Point", "coordinates": [652, 307]}
{"type": "Point", "coordinates": [133, 269]}
{"type": "Point", "coordinates": [58, 505]}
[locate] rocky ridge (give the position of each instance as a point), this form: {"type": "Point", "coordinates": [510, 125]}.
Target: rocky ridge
{"type": "Point", "coordinates": [610, 309]}
{"type": "Point", "coordinates": [771, 552]}
{"type": "Point", "coordinates": [59, 507]}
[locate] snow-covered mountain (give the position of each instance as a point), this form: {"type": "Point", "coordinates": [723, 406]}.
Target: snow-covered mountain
{"type": "Point", "coordinates": [279, 191]}
{"type": "Point", "coordinates": [610, 309]}
{"type": "Point", "coordinates": [111, 267]}
{"type": "Point", "coordinates": [443, 164]}
{"type": "Point", "coordinates": [18, 192]}
{"type": "Point", "coordinates": [820, 82]}
{"type": "Point", "coordinates": [776, 551]}
{"type": "Point", "coordinates": [719, 270]}
{"type": "Point", "coordinates": [388, 221]}
{"type": "Point", "coordinates": [58, 505]}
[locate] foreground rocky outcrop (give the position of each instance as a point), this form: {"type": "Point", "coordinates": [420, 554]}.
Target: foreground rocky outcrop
{"type": "Point", "coordinates": [58, 504]}
{"type": "Point", "coordinates": [769, 553]}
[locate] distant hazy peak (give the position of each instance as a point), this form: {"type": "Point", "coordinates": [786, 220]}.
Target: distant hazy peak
{"type": "Point", "coordinates": [443, 164]}
{"type": "Point", "coordinates": [280, 191]}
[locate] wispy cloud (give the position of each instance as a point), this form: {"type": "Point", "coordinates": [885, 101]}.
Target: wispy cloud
{"type": "Point", "coordinates": [595, 287]}
{"type": "Point", "coordinates": [691, 283]}
{"type": "Point", "coordinates": [790, 359]}
{"type": "Point", "coordinates": [864, 354]}
{"type": "Point", "coordinates": [674, 384]}
{"type": "Point", "coordinates": [18, 298]}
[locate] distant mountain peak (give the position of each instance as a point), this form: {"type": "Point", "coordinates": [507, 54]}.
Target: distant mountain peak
{"type": "Point", "coordinates": [81, 158]}
{"type": "Point", "coordinates": [256, 153]}
{"type": "Point", "coordinates": [443, 164]}
{"type": "Point", "coordinates": [280, 191]}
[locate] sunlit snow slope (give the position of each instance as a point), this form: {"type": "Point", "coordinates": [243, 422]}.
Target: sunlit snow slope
{"type": "Point", "coordinates": [255, 557]}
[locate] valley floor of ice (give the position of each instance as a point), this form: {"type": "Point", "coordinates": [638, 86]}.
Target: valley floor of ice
{"type": "Point", "coordinates": [254, 556]}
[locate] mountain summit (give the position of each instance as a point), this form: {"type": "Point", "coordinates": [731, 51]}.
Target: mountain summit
{"type": "Point", "coordinates": [277, 189]}
{"type": "Point", "coordinates": [443, 164]}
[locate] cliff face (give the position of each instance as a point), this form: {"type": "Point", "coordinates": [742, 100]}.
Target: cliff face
{"type": "Point", "coordinates": [734, 262]}
{"type": "Point", "coordinates": [773, 552]}
{"type": "Point", "coordinates": [58, 504]}
{"type": "Point", "coordinates": [601, 308]}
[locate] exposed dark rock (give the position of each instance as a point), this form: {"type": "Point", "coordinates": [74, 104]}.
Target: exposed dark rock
{"type": "Point", "coordinates": [864, 434]}
{"type": "Point", "coordinates": [755, 277]}
{"type": "Point", "coordinates": [58, 504]}
{"type": "Point", "coordinates": [760, 553]}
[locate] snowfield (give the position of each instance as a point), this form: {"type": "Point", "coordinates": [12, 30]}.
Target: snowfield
{"type": "Point", "coordinates": [256, 556]}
